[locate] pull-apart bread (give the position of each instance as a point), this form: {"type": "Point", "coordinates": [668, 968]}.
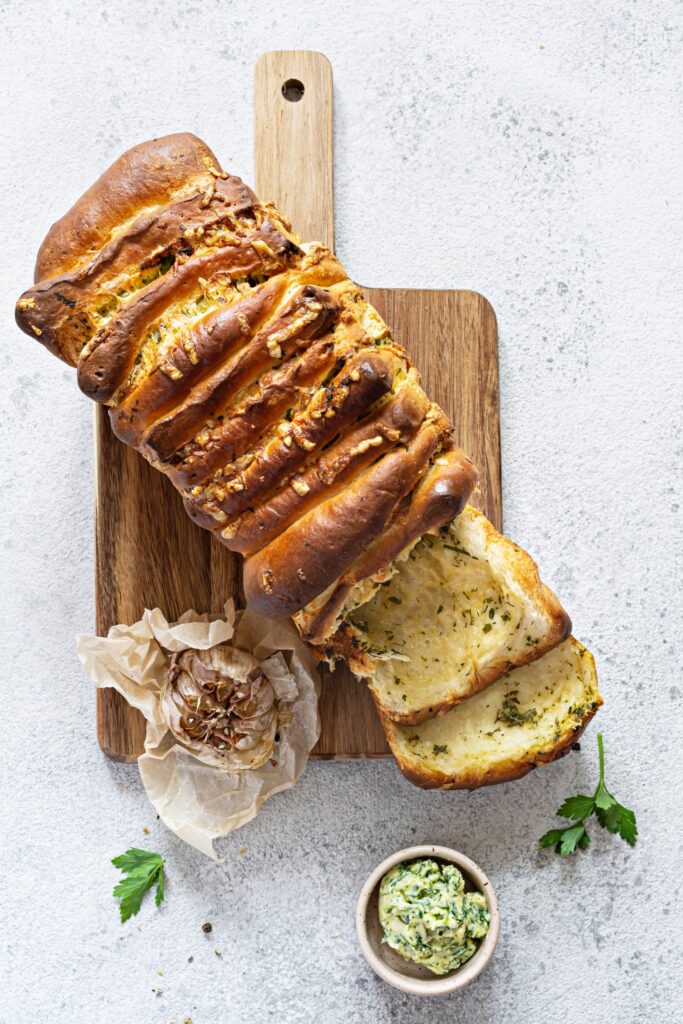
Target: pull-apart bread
{"type": "Point", "coordinates": [247, 367]}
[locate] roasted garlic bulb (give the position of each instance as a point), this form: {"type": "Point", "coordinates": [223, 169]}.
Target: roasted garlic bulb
{"type": "Point", "coordinates": [221, 705]}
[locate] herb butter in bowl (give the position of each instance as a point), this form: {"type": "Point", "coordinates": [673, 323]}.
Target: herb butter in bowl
{"type": "Point", "coordinates": [427, 920]}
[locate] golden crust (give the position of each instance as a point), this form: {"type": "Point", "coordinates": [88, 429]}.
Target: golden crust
{"type": "Point", "coordinates": [495, 769]}
{"type": "Point", "coordinates": [509, 771]}
{"type": "Point", "coordinates": [364, 378]}
{"type": "Point", "coordinates": [393, 423]}
{"type": "Point", "coordinates": [243, 428]}
{"type": "Point", "coordinates": [286, 574]}
{"type": "Point", "coordinates": [107, 359]}
{"type": "Point", "coordinates": [146, 176]}
{"type": "Point", "coordinates": [197, 391]}
{"type": "Point", "coordinates": [64, 308]}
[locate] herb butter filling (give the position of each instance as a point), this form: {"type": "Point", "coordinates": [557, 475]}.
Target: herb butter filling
{"type": "Point", "coordinates": [428, 917]}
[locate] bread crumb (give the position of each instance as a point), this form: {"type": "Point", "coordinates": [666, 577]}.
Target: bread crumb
{"type": "Point", "coordinates": [145, 830]}
{"type": "Point", "coordinates": [242, 850]}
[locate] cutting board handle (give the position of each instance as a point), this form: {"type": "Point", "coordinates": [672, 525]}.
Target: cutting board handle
{"type": "Point", "coordinates": [293, 139]}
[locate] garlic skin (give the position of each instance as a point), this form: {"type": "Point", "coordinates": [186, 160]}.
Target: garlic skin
{"type": "Point", "coordinates": [220, 704]}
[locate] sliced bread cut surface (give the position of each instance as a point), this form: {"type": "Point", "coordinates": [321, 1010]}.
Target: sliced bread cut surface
{"type": "Point", "coordinates": [464, 607]}
{"type": "Point", "coordinates": [530, 716]}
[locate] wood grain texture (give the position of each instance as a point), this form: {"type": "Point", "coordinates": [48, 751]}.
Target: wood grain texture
{"type": "Point", "coordinates": [293, 140]}
{"type": "Point", "coordinates": [148, 551]}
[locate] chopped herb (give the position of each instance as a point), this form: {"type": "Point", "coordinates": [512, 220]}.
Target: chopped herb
{"type": "Point", "coordinates": [510, 713]}
{"type": "Point", "coordinates": [166, 263]}
{"type": "Point", "coordinates": [71, 303]}
{"type": "Point", "coordinates": [440, 748]}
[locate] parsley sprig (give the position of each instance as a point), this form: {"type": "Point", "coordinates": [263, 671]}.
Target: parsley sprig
{"type": "Point", "coordinates": [144, 869]}
{"type": "Point", "coordinates": [610, 814]}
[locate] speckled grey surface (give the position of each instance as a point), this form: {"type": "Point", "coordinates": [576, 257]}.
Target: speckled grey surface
{"type": "Point", "coordinates": [528, 150]}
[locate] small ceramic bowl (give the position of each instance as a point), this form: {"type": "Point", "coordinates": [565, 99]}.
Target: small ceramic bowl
{"type": "Point", "coordinates": [404, 974]}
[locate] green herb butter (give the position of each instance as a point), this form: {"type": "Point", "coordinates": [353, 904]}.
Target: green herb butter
{"type": "Point", "coordinates": [428, 917]}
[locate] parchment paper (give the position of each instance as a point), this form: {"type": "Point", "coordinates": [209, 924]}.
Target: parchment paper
{"type": "Point", "coordinates": [201, 802]}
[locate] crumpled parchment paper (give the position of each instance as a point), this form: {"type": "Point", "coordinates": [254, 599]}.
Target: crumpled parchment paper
{"type": "Point", "coordinates": [201, 802]}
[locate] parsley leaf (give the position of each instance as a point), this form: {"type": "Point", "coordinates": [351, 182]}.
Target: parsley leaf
{"type": "Point", "coordinates": [551, 838]}
{"type": "Point", "coordinates": [621, 820]}
{"type": "Point", "coordinates": [571, 838]}
{"type": "Point", "coordinates": [603, 798]}
{"type": "Point", "coordinates": [566, 840]}
{"type": "Point", "coordinates": [144, 869]}
{"type": "Point", "coordinates": [577, 807]}
{"type": "Point", "coordinates": [609, 813]}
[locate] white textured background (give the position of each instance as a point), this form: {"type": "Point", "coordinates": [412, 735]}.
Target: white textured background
{"type": "Point", "coordinates": [530, 150]}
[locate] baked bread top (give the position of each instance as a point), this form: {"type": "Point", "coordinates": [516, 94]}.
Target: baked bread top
{"type": "Point", "coordinates": [246, 366]}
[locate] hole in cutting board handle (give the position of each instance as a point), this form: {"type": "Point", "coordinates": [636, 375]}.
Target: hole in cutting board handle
{"type": "Point", "coordinates": [293, 90]}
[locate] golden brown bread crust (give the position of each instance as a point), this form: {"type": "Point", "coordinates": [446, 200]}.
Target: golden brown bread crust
{"type": "Point", "coordinates": [568, 731]}
{"type": "Point", "coordinates": [363, 379]}
{"type": "Point", "coordinates": [148, 175]}
{"type": "Point", "coordinates": [505, 772]}
{"type": "Point", "coordinates": [324, 542]}
{"type": "Point", "coordinates": [242, 428]}
{"type": "Point", "coordinates": [168, 233]}
{"type": "Point", "coordinates": [246, 367]}
{"type": "Point", "coordinates": [107, 359]}
{"type": "Point", "coordinates": [392, 423]}
{"type": "Point", "coordinates": [308, 316]}
{"type": "Point", "coordinates": [227, 332]}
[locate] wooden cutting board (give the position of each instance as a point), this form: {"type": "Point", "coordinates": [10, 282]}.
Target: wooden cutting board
{"type": "Point", "coordinates": [149, 553]}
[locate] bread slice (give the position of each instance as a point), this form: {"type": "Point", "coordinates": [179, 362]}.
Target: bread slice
{"type": "Point", "coordinates": [531, 716]}
{"type": "Point", "coordinates": [464, 607]}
